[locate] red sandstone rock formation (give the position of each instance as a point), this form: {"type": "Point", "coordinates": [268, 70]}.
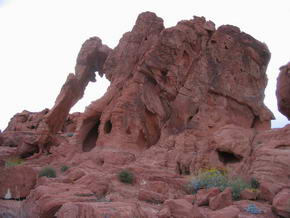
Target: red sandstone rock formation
{"type": "Point", "coordinates": [23, 132]}
{"type": "Point", "coordinates": [91, 58]}
{"type": "Point", "coordinates": [283, 89]}
{"type": "Point", "coordinates": [188, 77]}
{"type": "Point", "coordinates": [181, 99]}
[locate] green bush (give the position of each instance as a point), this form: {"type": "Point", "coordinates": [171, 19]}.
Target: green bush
{"type": "Point", "coordinates": [254, 183]}
{"type": "Point", "coordinates": [48, 172]}
{"type": "Point", "coordinates": [126, 176]}
{"type": "Point", "coordinates": [237, 186]}
{"type": "Point", "coordinates": [70, 134]}
{"type": "Point", "coordinates": [213, 178]}
{"type": "Point", "coordinates": [216, 178]}
{"type": "Point", "coordinates": [64, 168]}
{"type": "Point", "coordinates": [13, 162]}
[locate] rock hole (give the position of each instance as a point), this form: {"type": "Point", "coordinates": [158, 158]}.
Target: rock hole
{"type": "Point", "coordinates": [226, 47]}
{"type": "Point", "coordinates": [128, 131]}
{"type": "Point", "coordinates": [146, 38]}
{"type": "Point", "coordinates": [164, 73]}
{"type": "Point", "coordinates": [31, 127]}
{"type": "Point", "coordinates": [255, 121]}
{"type": "Point", "coordinates": [108, 127]}
{"type": "Point", "coordinates": [89, 133]}
{"type": "Point", "coordinates": [182, 169]}
{"type": "Point", "coordinates": [229, 157]}
{"type": "Point", "coordinates": [213, 41]}
{"type": "Point", "coordinates": [283, 147]}
{"type": "Point", "coordinates": [190, 118]}
{"type": "Point", "coordinates": [151, 128]}
{"type": "Point", "coordinates": [186, 59]}
{"type": "Point", "coordinates": [29, 152]}
{"type": "Point", "coordinates": [152, 80]}
{"type": "Point", "coordinates": [101, 163]}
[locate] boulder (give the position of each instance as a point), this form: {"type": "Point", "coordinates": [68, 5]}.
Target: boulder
{"type": "Point", "coordinates": [223, 199]}
{"type": "Point", "coordinates": [180, 208]}
{"type": "Point", "coordinates": [248, 194]}
{"type": "Point", "coordinates": [106, 209]}
{"type": "Point", "coordinates": [150, 196]}
{"type": "Point", "coordinates": [229, 212]}
{"type": "Point", "coordinates": [264, 208]}
{"type": "Point", "coordinates": [51, 196]}
{"type": "Point", "coordinates": [203, 196]}
{"type": "Point", "coordinates": [281, 203]}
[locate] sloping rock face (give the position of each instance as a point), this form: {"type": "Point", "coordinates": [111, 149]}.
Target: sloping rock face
{"type": "Point", "coordinates": [181, 99]}
{"type": "Point", "coordinates": [283, 89]}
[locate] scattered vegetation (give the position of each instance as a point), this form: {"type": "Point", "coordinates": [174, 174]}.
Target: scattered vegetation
{"type": "Point", "coordinates": [253, 209]}
{"type": "Point", "coordinates": [219, 178]}
{"type": "Point", "coordinates": [64, 168]}
{"type": "Point", "coordinates": [254, 183]}
{"type": "Point", "coordinates": [14, 161]}
{"type": "Point", "coordinates": [85, 195]}
{"type": "Point", "coordinates": [70, 134]}
{"type": "Point", "coordinates": [126, 176]}
{"type": "Point", "coordinates": [48, 172]}
{"type": "Point", "coordinates": [237, 186]}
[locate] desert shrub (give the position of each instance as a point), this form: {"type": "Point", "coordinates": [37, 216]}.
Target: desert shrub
{"type": "Point", "coordinates": [237, 186]}
{"type": "Point", "coordinates": [11, 162]}
{"type": "Point", "coordinates": [70, 134]}
{"type": "Point", "coordinates": [208, 179]}
{"type": "Point", "coordinates": [126, 176]}
{"type": "Point", "coordinates": [213, 178]}
{"type": "Point", "coordinates": [48, 172]}
{"type": "Point", "coordinates": [253, 209]}
{"type": "Point", "coordinates": [254, 183]}
{"type": "Point", "coordinates": [217, 178]}
{"type": "Point", "coordinates": [64, 168]}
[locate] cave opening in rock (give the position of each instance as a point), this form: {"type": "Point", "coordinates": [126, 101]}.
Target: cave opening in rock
{"type": "Point", "coordinates": [164, 72]}
{"type": "Point", "coordinates": [108, 126]}
{"type": "Point", "coordinates": [182, 169]}
{"type": "Point", "coordinates": [228, 157]}
{"type": "Point", "coordinates": [90, 134]}
{"type": "Point", "coordinates": [30, 152]}
{"type": "Point", "coordinates": [190, 118]}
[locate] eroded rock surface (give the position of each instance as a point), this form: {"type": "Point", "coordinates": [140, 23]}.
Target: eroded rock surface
{"type": "Point", "coordinates": [168, 81]}
{"type": "Point", "coordinates": [181, 99]}
{"type": "Point", "coordinates": [283, 89]}
{"type": "Point", "coordinates": [16, 182]}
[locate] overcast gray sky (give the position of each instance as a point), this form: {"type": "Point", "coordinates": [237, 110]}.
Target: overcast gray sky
{"type": "Point", "coordinates": [40, 39]}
